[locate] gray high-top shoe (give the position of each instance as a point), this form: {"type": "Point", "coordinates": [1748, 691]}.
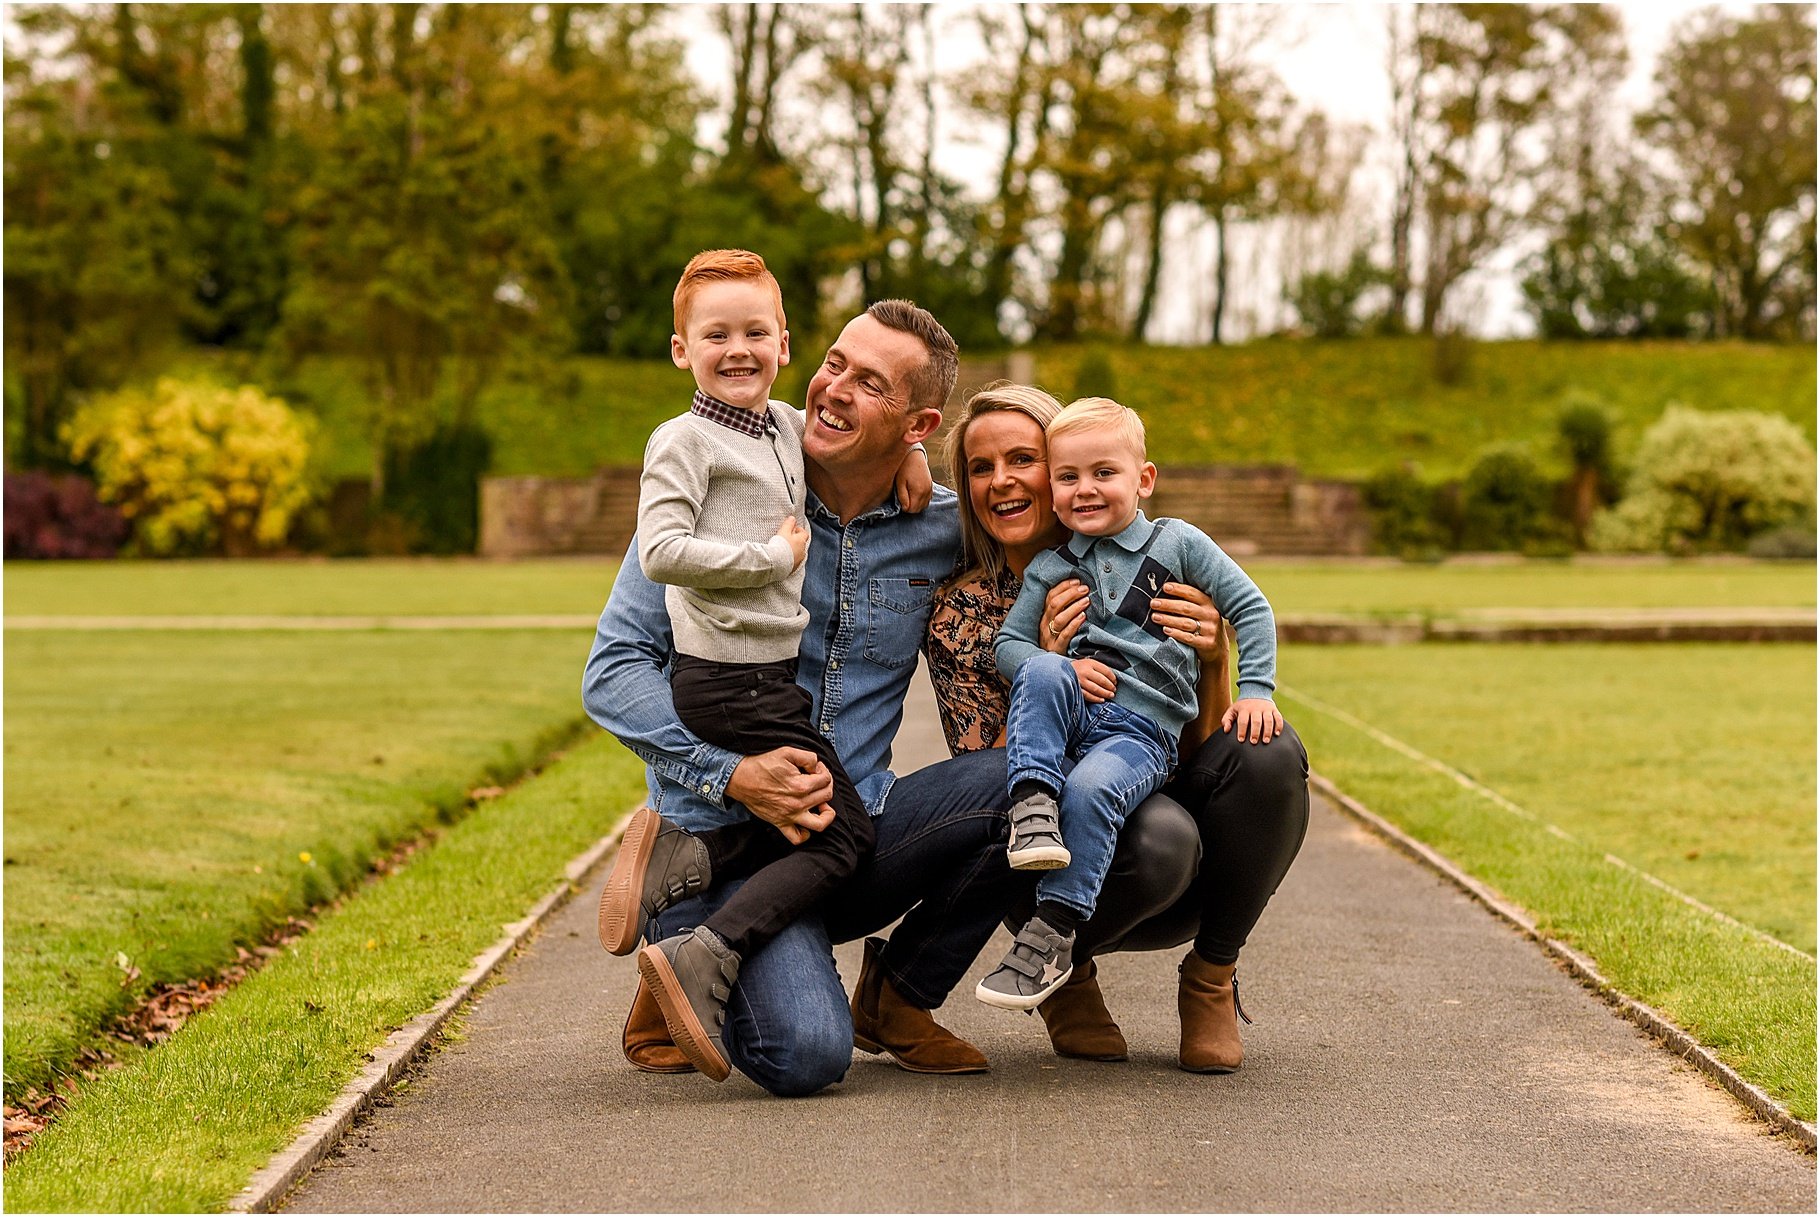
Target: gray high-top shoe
{"type": "Point", "coordinates": [1040, 961]}
{"type": "Point", "coordinates": [1036, 835]}
{"type": "Point", "coordinates": [659, 864]}
{"type": "Point", "coordinates": [691, 975]}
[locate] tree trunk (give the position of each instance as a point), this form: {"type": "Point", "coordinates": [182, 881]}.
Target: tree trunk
{"type": "Point", "coordinates": [1221, 267]}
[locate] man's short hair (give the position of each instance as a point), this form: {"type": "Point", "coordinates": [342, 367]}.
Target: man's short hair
{"type": "Point", "coordinates": [1100, 414]}
{"type": "Point", "coordinates": [719, 266]}
{"type": "Point", "coordinates": [931, 384]}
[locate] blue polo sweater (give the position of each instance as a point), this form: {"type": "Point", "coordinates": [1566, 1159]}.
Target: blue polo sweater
{"type": "Point", "coordinates": [1123, 573]}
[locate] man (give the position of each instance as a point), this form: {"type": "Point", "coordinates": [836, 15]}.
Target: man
{"type": "Point", "coordinates": [939, 858]}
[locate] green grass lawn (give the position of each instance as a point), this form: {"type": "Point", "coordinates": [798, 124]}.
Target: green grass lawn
{"type": "Point", "coordinates": [1337, 409]}
{"type": "Point", "coordinates": [1350, 409]}
{"type": "Point", "coordinates": [580, 586]}
{"type": "Point", "coordinates": [1694, 763]}
{"type": "Point", "coordinates": [182, 1128]}
{"type": "Point", "coordinates": [163, 788]}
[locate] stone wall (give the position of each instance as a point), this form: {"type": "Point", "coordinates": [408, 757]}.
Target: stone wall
{"type": "Point", "coordinates": [1248, 510]}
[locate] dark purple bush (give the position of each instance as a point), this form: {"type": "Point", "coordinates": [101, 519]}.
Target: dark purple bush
{"type": "Point", "coordinates": [59, 517]}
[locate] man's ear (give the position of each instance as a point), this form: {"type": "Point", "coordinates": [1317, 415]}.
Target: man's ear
{"type": "Point", "coordinates": [679, 354]}
{"type": "Point", "coordinates": [919, 425]}
{"type": "Point", "coordinates": [1146, 480]}
{"type": "Point", "coordinates": [783, 348]}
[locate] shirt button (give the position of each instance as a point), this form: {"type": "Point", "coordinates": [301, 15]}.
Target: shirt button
{"type": "Point", "coordinates": [846, 604]}
{"type": "Point", "coordinates": [849, 542]}
{"type": "Point", "coordinates": [826, 727]}
{"type": "Point", "coordinates": [1106, 566]}
{"type": "Point", "coordinates": [835, 664]}
{"type": "Point", "coordinates": [706, 787]}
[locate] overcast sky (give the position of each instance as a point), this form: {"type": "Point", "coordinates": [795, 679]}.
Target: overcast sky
{"type": "Point", "coordinates": [1330, 56]}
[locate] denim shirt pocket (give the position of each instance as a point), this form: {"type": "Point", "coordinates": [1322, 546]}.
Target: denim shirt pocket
{"type": "Point", "coordinates": [897, 613]}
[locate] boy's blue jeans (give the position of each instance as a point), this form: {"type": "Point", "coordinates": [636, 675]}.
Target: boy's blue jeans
{"type": "Point", "coordinates": [1121, 758]}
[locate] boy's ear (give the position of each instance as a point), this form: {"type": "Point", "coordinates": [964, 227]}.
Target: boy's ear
{"type": "Point", "coordinates": [1146, 480]}
{"type": "Point", "coordinates": [679, 354]}
{"type": "Point", "coordinates": [783, 348]}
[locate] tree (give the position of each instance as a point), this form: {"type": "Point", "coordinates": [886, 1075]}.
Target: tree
{"type": "Point", "coordinates": [1473, 88]}
{"type": "Point", "coordinates": [1736, 120]}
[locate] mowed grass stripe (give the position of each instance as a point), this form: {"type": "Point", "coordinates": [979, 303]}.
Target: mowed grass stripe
{"type": "Point", "coordinates": [184, 1126]}
{"type": "Point", "coordinates": [170, 796]}
{"type": "Point", "coordinates": [578, 587]}
{"type": "Point", "coordinates": [1627, 767]}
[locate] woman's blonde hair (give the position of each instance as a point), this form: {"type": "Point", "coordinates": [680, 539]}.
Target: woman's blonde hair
{"type": "Point", "coordinates": [980, 550]}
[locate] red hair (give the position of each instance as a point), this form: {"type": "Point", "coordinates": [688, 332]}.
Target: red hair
{"type": "Point", "coordinates": [719, 266]}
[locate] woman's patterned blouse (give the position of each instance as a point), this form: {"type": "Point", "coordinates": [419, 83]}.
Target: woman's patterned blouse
{"type": "Point", "coordinates": [973, 698]}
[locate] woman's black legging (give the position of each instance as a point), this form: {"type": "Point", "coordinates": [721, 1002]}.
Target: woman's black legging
{"type": "Point", "coordinates": [1202, 859]}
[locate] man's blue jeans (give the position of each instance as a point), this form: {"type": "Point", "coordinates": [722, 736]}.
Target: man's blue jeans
{"type": "Point", "coordinates": [1121, 758]}
{"type": "Point", "coordinates": [939, 864]}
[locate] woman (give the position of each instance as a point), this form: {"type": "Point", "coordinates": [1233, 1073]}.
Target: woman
{"type": "Point", "coordinates": [1198, 862]}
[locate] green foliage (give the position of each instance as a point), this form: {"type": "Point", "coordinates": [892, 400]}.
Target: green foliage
{"type": "Point", "coordinates": [1585, 427]}
{"type": "Point", "coordinates": [197, 468]}
{"type": "Point", "coordinates": [1506, 503]}
{"type": "Point", "coordinates": [1094, 375]}
{"type": "Point", "coordinates": [1328, 301]}
{"type": "Point", "coordinates": [1735, 114]}
{"type": "Point", "coordinates": [435, 487]}
{"type": "Point", "coordinates": [1403, 517]}
{"type": "Point", "coordinates": [1710, 481]}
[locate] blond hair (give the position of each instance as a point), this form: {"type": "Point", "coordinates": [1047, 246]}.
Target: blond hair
{"type": "Point", "coordinates": [1100, 414]}
{"type": "Point", "coordinates": [981, 552]}
{"type": "Point", "coordinates": [721, 266]}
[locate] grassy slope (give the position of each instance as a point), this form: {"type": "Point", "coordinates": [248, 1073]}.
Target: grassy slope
{"type": "Point", "coordinates": [1349, 409]}
{"type": "Point", "coordinates": [1694, 763]}
{"type": "Point", "coordinates": [1338, 409]}
{"type": "Point", "coordinates": [161, 787]}
{"type": "Point", "coordinates": [580, 586]}
{"type": "Point", "coordinates": [182, 1128]}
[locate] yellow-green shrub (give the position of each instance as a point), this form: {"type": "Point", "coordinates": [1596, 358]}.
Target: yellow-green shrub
{"type": "Point", "coordinates": [197, 467]}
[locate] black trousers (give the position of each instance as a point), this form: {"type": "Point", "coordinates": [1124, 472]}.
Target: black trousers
{"type": "Point", "coordinates": [748, 709]}
{"type": "Point", "coordinates": [1202, 858]}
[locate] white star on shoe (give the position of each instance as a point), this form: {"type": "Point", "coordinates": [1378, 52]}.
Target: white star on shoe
{"type": "Point", "coordinates": [1050, 972]}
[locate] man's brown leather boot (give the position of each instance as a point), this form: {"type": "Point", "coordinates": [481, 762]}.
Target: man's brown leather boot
{"type": "Point", "coordinates": [1208, 1003]}
{"type": "Point", "coordinates": [884, 1022]}
{"type": "Point", "coordinates": [1079, 1024]}
{"type": "Point", "coordinates": [646, 1041]}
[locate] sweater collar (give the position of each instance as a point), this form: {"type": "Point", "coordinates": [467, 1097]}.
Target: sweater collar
{"type": "Point", "coordinates": [1132, 538]}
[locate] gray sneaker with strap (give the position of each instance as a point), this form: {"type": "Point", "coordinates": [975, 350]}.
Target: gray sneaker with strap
{"type": "Point", "coordinates": [659, 864]}
{"type": "Point", "coordinates": [1040, 961]}
{"type": "Point", "coordinates": [1036, 835]}
{"type": "Point", "coordinates": [691, 976]}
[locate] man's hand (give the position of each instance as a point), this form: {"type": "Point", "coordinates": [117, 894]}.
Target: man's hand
{"type": "Point", "coordinates": [787, 788]}
{"type": "Point", "coordinates": [1064, 612]}
{"type": "Point", "coordinates": [797, 536]}
{"type": "Point", "coordinates": [1098, 682]}
{"type": "Point", "coordinates": [914, 482]}
{"type": "Point", "coordinates": [1257, 718]}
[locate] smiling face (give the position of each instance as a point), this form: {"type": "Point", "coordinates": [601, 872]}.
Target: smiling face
{"type": "Point", "coordinates": [859, 414]}
{"type": "Point", "coordinates": [733, 342]}
{"type": "Point", "coordinates": [1098, 481]}
{"type": "Point", "coordinates": [1008, 481]}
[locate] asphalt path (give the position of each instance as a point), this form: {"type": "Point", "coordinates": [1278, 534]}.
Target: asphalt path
{"type": "Point", "coordinates": [1411, 1053]}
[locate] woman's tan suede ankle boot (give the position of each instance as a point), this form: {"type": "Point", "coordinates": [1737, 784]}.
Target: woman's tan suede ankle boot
{"type": "Point", "coordinates": [1208, 1003]}
{"type": "Point", "coordinates": [1078, 1022]}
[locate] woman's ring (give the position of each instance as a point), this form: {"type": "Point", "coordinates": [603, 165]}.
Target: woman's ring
{"type": "Point", "coordinates": [1197, 629]}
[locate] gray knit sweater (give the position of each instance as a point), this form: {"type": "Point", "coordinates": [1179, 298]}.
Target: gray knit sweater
{"type": "Point", "coordinates": [709, 504]}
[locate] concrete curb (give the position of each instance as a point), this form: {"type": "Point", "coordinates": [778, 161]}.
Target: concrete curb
{"type": "Point", "coordinates": [269, 1186]}
{"type": "Point", "coordinates": [1583, 969]}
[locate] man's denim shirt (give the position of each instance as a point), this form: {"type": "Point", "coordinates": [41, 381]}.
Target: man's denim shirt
{"type": "Point", "coordinates": [867, 588]}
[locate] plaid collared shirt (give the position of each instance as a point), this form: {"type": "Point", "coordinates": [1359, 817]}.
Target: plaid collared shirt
{"type": "Point", "coordinates": [756, 423]}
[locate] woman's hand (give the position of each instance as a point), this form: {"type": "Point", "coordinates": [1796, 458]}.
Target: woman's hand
{"type": "Point", "coordinates": [1064, 611]}
{"type": "Point", "coordinates": [1187, 615]}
